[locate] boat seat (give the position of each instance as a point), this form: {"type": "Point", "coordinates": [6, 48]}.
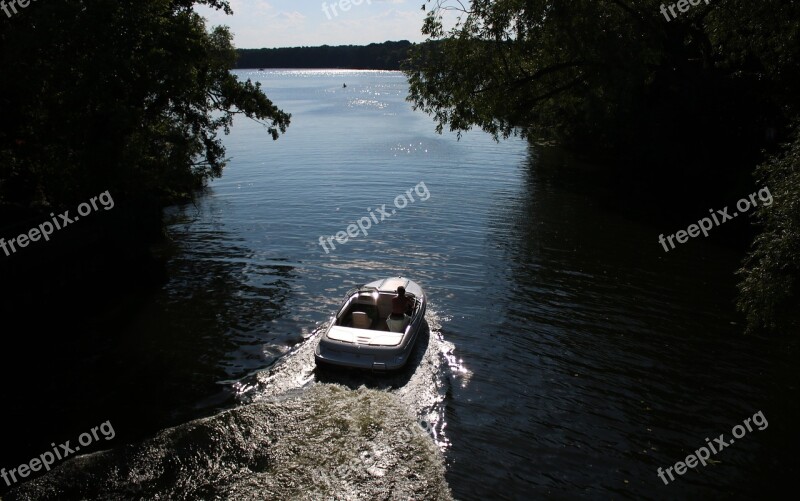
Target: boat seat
{"type": "Point", "coordinates": [384, 306]}
{"type": "Point", "coordinates": [398, 324]}
{"type": "Point", "coordinates": [361, 320]}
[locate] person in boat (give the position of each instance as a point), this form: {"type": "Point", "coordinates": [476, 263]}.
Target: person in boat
{"type": "Point", "coordinates": [402, 306]}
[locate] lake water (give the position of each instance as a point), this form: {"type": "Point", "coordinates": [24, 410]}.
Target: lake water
{"type": "Point", "coordinates": [568, 354]}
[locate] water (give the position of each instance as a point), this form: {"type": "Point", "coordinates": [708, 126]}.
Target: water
{"type": "Point", "coordinates": [568, 355]}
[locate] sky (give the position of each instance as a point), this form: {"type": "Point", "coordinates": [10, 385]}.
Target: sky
{"type": "Point", "coordinates": [292, 23]}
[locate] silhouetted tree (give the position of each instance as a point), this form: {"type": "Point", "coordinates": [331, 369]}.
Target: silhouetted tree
{"type": "Point", "coordinates": [126, 95]}
{"type": "Point", "coordinates": [605, 75]}
{"type": "Point", "coordinates": [692, 99]}
{"type": "Point", "coordinates": [770, 285]}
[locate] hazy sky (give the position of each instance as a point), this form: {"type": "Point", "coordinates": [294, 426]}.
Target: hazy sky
{"type": "Point", "coordinates": [290, 23]}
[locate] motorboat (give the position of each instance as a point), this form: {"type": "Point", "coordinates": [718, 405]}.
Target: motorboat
{"type": "Point", "coordinates": [365, 334]}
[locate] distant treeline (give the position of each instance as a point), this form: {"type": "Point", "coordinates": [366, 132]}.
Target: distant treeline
{"type": "Point", "coordinates": [376, 56]}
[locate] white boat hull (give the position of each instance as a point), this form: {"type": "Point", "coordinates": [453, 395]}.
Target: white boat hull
{"type": "Point", "coordinates": [368, 342]}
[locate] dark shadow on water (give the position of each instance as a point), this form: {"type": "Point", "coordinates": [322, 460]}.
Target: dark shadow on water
{"type": "Point", "coordinates": [606, 351]}
{"type": "Point", "coordinates": [152, 359]}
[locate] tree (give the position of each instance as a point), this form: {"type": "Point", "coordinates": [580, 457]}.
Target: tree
{"type": "Point", "coordinates": [605, 75]}
{"type": "Point", "coordinates": [694, 99]}
{"type": "Point", "coordinates": [120, 95]}
{"type": "Point", "coordinates": [124, 96]}
{"type": "Point", "coordinates": [770, 284]}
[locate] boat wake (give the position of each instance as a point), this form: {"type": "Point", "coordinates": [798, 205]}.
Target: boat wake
{"type": "Point", "coordinates": [299, 433]}
{"type": "Point", "coordinates": [421, 387]}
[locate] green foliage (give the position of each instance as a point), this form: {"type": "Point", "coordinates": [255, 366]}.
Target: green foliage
{"type": "Point", "coordinates": [692, 101]}
{"type": "Point", "coordinates": [124, 95]}
{"type": "Point", "coordinates": [604, 74]}
{"type": "Point", "coordinates": [768, 291]}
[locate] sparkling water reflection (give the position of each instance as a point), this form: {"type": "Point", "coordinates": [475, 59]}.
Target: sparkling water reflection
{"type": "Point", "coordinates": [567, 355]}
